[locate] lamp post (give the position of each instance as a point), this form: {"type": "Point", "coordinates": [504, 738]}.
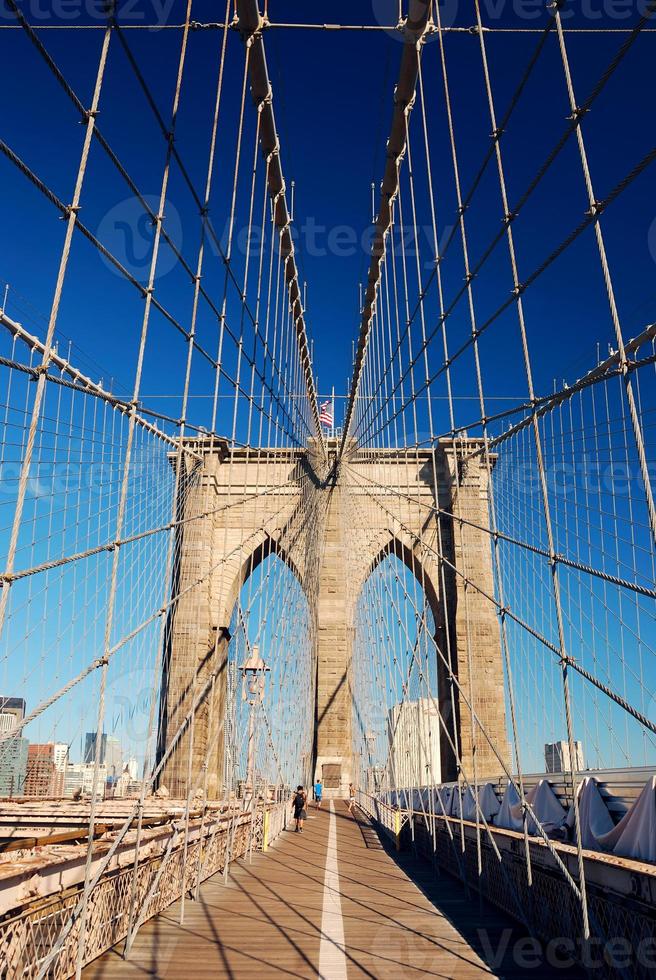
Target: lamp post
{"type": "Point", "coordinates": [253, 672]}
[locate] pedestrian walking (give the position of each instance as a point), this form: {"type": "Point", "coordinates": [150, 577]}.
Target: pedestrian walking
{"type": "Point", "coordinates": [318, 793]}
{"type": "Point", "coordinates": [298, 806]}
{"type": "Point", "coordinates": [351, 802]}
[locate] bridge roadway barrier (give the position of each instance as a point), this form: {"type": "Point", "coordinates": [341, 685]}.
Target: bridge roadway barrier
{"type": "Point", "coordinates": [621, 892]}
{"type": "Point", "coordinates": [41, 885]}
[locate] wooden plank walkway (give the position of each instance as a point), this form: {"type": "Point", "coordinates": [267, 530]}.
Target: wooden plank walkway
{"type": "Point", "coordinates": [331, 902]}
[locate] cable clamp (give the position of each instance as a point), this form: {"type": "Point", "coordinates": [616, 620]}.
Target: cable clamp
{"type": "Point", "coordinates": [509, 217]}
{"type": "Point", "coordinates": [496, 134]}
{"type": "Point", "coordinates": [518, 289]}
{"type": "Point", "coordinates": [578, 112]}
{"type": "Point", "coordinates": [595, 209]}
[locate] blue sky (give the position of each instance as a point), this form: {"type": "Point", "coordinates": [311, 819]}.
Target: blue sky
{"type": "Point", "coordinates": [333, 96]}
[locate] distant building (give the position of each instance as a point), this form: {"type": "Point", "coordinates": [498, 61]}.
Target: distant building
{"type": "Point", "coordinates": [42, 778]}
{"type": "Point", "coordinates": [113, 757]}
{"type": "Point", "coordinates": [7, 721]}
{"type": "Point", "coordinates": [90, 747]}
{"type": "Point", "coordinates": [14, 707]}
{"type": "Point", "coordinates": [557, 757]}
{"type": "Point", "coordinates": [13, 766]}
{"type": "Point", "coordinates": [79, 778]}
{"type": "Point", "coordinates": [126, 785]}
{"type": "Point", "coordinates": [110, 753]}
{"type": "Point", "coordinates": [61, 756]}
{"type": "Point", "coordinates": [414, 743]}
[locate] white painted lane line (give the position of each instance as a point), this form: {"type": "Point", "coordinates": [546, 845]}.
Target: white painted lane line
{"type": "Point", "coordinates": [332, 959]}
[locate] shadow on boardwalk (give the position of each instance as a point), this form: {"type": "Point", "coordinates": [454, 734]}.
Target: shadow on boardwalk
{"type": "Point", "coordinates": [504, 945]}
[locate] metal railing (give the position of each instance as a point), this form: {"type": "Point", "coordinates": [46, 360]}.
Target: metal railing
{"type": "Point", "coordinates": [29, 930]}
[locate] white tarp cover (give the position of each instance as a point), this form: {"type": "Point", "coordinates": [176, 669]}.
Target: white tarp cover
{"type": "Point", "coordinates": [544, 803]}
{"type": "Point", "coordinates": [546, 807]}
{"type": "Point", "coordinates": [635, 834]}
{"type": "Point", "coordinates": [469, 804]}
{"type": "Point", "coordinates": [633, 837]}
{"type": "Point", "coordinates": [487, 800]}
{"type": "Point", "coordinates": [442, 801]}
{"type": "Point", "coordinates": [456, 801]}
{"type": "Point", "coordinates": [506, 816]}
{"type": "Point", "coordinates": [594, 818]}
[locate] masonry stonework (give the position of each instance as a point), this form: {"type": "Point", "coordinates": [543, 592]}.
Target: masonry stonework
{"type": "Point", "coordinates": [247, 504]}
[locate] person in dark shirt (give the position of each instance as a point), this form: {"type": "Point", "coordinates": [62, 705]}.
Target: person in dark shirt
{"type": "Point", "coordinates": [298, 806]}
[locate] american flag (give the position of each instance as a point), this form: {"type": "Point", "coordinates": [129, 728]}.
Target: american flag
{"type": "Point", "coordinates": [326, 413]}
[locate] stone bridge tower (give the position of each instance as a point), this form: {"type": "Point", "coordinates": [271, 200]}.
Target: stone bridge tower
{"type": "Point", "coordinates": [364, 510]}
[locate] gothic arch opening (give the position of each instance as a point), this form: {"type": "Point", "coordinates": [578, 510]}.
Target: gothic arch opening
{"type": "Point", "coordinates": [397, 734]}
{"type": "Point", "coordinates": [270, 668]}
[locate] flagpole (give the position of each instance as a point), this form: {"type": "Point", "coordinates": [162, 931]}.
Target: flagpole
{"type": "Point", "coordinates": [333, 403]}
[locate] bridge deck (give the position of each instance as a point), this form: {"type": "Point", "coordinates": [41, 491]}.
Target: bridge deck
{"type": "Point", "coordinates": [331, 902]}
